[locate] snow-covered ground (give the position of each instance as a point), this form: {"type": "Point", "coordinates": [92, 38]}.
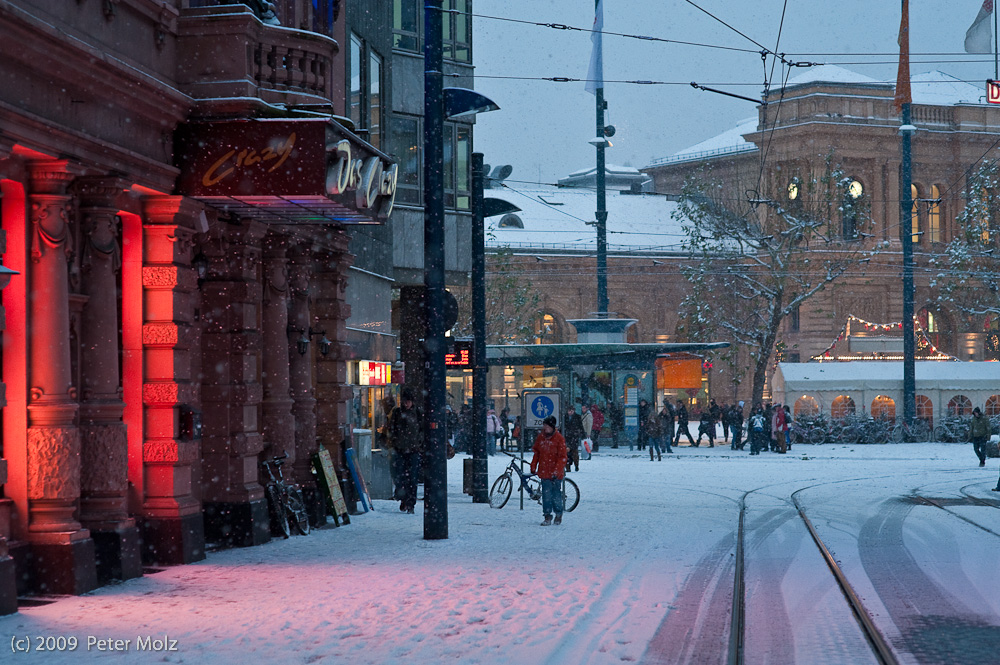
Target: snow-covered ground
{"type": "Point", "coordinates": [640, 572]}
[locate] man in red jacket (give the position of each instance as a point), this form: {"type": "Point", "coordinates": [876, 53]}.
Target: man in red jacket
{"type": "Point", "coordinates": [549, 462]}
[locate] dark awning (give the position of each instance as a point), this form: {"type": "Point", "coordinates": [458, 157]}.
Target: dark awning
{"type": "Point", "coordinates": [302, 171]}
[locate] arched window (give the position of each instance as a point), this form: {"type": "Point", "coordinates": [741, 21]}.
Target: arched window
{"type": "Point", "coordinates": [883, 407]}
{"type": "Point", "coordinates": [547, 330]}
{"type": "Point", "coordinates": [842, 407]}
{"type": "Point", "coordinates": [934, 216]}
{"type": "Point", "coordinates": [959, 405]}
{"type": "Point", "coordinates": [925, 409]}
{"type": "Point", "coordinates": [993, 406]}
{"type": "Point", "coordinates": [805, 406]}
{"type": "Point", "coordinates": [915, 213]}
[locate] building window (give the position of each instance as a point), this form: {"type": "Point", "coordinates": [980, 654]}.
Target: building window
{"type": "Point", "coordinates": [992, 406]}
{"type": "Point", "coordinates": [805, 406]}
{"type": "Point", "coordinates": [991, 339]}
{"type": "Point", "coordinates": [793, 320]}
{"type": "Point", "coordinates": [406, 21]}
{"type": "Point", "coordinates": [934, 216]}
{"type": "Point", "coordinates": [842, 406]}
{"type": "Point", "coordinates": [354, 101]}
{"type": "Point", "coordinates": [324, 14]}
{"type": "Point", "coordinates": [959, 405]}
{"type": "Point", "coordinates": [456, 28]}
{"type": "Point", "coordinates": [851, 203]}
{"type": "Point", "coordinates": [463, 167]}
{"type": "Point", "coordinates": [546, 330]}
{"type": "Point", "coordinates": [915, 213]}
{"type": "Point", "coordinates": [375, 99]}
{"type": "Point", "coordinates": [925, 409]}
{"type": "Point", "coordinates": [406, 148]}
{"type": "Point", "coordinates": [883, 407]}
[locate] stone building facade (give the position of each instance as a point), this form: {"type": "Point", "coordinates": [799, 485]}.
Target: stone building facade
{"type": "Point", "coordinates": [161, 333]}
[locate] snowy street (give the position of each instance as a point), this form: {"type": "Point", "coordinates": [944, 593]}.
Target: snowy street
{"type": "Point", "coordinates": [642, 571]}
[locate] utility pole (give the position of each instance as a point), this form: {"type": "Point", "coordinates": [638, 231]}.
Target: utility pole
{"type": "Point", "coordinates": [602, 210]}
{"type": "Point", "coordinates": [480, 462]}
{"type": "Point", "coordinates": [906, 130]}
{"type": "Point", "coordinates": [436, 476]}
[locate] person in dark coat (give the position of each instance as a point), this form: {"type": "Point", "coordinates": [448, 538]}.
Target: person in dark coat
{"type": "Point", "coordinates": [644, 414]}
{"type": "Point", "coordinates": [725, 422]}
{"type": "Point", "coordinates": [616, 420]}
{"type": "Point", "coordinates": [979, 434]}
{"type": "Point", "coordinates": [768, 420]}
{"type": "Point", "coordinates": [666, 422]}
{"type": "Point", "coordinates": [574, 433]}
{"type": "Point", "coordinates": [757, 430]}
{"type": "Point", "coordinates": [706, 425]}
{"type": "Point", "coordinates": [682, 424]}
{"type": "Point", "coordinates": [406, 432]}
{"type": "Point", "coordinates": [736, 426]}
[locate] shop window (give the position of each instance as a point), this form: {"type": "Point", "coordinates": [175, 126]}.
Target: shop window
{"type": "Point", "coordinates": [925, 409]}
{"type": "Point", "coordinates": [934, 216]}
{"type": "Point", "coordinates": [883, 407]}
{"type": "Point", "coordinates": [375, 99]}
{"type": "Point", "coordinates": [354, 101]}
{"type": "Point", "coordinates": [959, 405]}
{"type": "Point", "coordinates": [992, 406]}
{"type": "Point", "coordinates": [842, 407]}
{"type": "Point", "coordinates": [805, 406]}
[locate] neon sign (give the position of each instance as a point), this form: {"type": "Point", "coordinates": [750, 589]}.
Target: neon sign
{"type": "Point", "coordinates": [372, 373]}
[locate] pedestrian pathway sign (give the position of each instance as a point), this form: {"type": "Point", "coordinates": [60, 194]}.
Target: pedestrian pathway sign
{"type": "Point", "coordinates": [540, 405]}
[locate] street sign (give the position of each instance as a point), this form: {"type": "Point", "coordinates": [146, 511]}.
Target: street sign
{"type": "Point", "coordinates": [539, 405]}
{"type": "Point", "coordinates": [992, 91]}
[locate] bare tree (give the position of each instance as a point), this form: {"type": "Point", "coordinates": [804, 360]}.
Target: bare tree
{"type": "Point", "coordinates": [759, 258]}
{"type": "Point", "coordinates": [511, 303]}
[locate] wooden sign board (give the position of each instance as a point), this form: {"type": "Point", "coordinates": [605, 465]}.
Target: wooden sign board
{"type": "Point", "coordinates": [328, 480]}
{"type": "Point", "coordinates": [359, 481]}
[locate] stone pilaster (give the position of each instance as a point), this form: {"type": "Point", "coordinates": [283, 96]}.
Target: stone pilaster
{"type": "Point", "coordinates": [235, 508]}
{"type": "Point", "coordinates": [279, 424]}
{"type": "Point", "coordinates": [62, 550]}
{"type": "Point", "coordinates": [334, 395]}
{"type": "Point", "coordinates": [104, 442]}
{"type": "Point", "coordinates": [301, 365]}
{"type": "Point", "coordinates": [8, 572]}
{"type": "Point", "coordinates": [172, 523]}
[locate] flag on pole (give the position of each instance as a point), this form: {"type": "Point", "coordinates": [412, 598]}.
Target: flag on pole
{"type": "Point", "coordinates": [595, 75]}
{"type": "Point", "coordinates": [903, 74]}
{"type": "Point", "coordinates": [979, 37]}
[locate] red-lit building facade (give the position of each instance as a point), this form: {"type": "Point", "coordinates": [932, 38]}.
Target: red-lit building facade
{"type": "Point", "coordinates": [178, 195]}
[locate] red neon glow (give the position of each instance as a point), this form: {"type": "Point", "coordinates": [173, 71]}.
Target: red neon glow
{"type": "Point", "coordinates": [15, 353]}
{"type": "Point", "coordinates": [461, 358]}
{"type": "Point", "coordinates": [132, 352]}
{"type": "Point", "coordinates": [993, 92]}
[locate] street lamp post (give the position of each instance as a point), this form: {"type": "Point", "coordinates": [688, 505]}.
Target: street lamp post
{"type": "Point", "coordinates": [458, 102]}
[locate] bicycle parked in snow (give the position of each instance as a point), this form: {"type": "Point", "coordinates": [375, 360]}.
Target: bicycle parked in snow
{"type": "Point", "coordinates": [530, 485]}
{"type": "Point", "coordinates": [284, 501]}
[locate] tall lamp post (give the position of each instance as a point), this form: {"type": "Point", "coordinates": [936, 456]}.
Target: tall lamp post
{"type": "Point", "coordinates": [481, 209]}
{"type": "Point", "coordinates": [458, 102]}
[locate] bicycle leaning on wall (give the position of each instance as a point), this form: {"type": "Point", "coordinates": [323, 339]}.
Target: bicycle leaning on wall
{"type": "Point", "coordinates": [285, 504]}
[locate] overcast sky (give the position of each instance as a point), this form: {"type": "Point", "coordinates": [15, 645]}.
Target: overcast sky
{"type": "Point", "coordinates": [543, 127]}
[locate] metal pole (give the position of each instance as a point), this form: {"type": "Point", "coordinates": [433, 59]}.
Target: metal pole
{"type": "Point", "coordinates": [436, 467]}
{"type": "Point", "coordinates": [602, 211]}
{"type": "Point", "coordinates": [996, 47]}
{"type": "Point", "coordinates": [906, 238]}
{"type": "Point", "coordinates": [480, 464]}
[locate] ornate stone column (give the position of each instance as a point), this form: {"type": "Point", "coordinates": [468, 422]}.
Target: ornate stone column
{"type": "Point", "coordinates": [62, 549]}
{"type": "Point", "coordinates": [301, 366]}
{"type": "Point", "coordinates": [279, 424]}
{"type": "Point", "coordinates": [235, 507]}
{"type": "Point", "coordinates": [104, 444]}
{"type": "Point", "coordinates": [172, 525]}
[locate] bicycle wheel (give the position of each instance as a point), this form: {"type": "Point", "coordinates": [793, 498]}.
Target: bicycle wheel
{"type": "Point", "coordinates": [297, 515]}
{"type": "Point", "coordinates": [500, 492]}
{"type": "Point", "coordinates": [921, 432]}
{"type": "Point", "coordinates": [941, 434]}
{"type": "Point", "coordinates": [276, 511]}
{"type": "Point", "coordinates": [817, 436]}
{"type": "Point", "coordinates": [850, 434]}
{"type": "Point", "coordinates": [571, 495]}
{"type": "Point", "coordinates": [898, 434]}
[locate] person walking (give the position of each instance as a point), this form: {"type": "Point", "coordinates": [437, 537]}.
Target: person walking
{"type": "Point", "coordinates": [788, 427]}
{"type": "Point", "coordinates": [706, 425]}
{"type": "Point", "coordinates": [666, 426]}
{"type": "Point", "coordinates": [588, 427]}
{"type": "Point", "coordinates": [407, 436]}
{"type": "Point", "coordinates": [979, 433]}
{"type": "Point", "coordinates": [768, 413]}
{"type": "Point", "coordinates": [725, 422]}
{"type": "Point", "coordinates": [778, 429]}
{"type": "Point", "coordinates": [716, 412]}
{"type": "Point", "coordinates": [505, 428]}
{"type": "Point", "coordinates": [493, 427]}
{"type": "Point", "coordinates": [574, 432]}
{"type": "Point", "coordinates": [598, 424]}
{"type": "Point", "coordinates": [548, 461]}
{"type": "Point", "coordinates": [682, 424]}
{"type": "Point", "coordinates": [736, 426]}
{"type": "Point", "coordinates": [616, 420]}
{"type": "Point", "coordinates": [756, 431]}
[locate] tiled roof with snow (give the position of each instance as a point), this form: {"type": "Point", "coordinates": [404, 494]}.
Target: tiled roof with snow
{"type": "Point", "coordinates": [559, 219]}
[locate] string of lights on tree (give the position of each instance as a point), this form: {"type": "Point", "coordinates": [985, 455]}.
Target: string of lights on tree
{"type": "Point", "coordinates": [923, 343]}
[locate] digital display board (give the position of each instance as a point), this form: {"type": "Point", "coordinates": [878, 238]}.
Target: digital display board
{"type": "Point", "coordinates": [462, 357]}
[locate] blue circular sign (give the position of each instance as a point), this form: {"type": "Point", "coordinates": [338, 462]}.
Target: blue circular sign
{"type": "Point", "coordinates": [542, 407]}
